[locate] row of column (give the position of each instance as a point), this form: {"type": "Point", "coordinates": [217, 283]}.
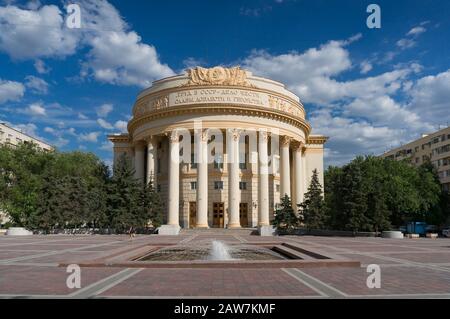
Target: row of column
{"type": "Point", "coordinates": [233, 175]}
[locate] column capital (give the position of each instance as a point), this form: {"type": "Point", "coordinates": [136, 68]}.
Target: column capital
{"type": "Point", "coordinates": [286, 140]}
{"type": "Point", "coordinates": [202, 134]}
{"type": "Point", "coordinates": [174, 136]}
{"type": "Point", "coordinates": [297, 146]}
{"type": "Point", "coordinates": [235, 133]}
{"type": "Point", "coordinates": [264, 135]}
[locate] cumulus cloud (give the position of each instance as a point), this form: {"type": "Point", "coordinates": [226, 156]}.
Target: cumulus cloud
{"type": "Point", "coordinates": [35, 32]}
{"type": "Point", "coordinates": [104, 124]}
{"type": "Point", "coordinates": [121, 126]}
{"type": "Point", "coordinates": [91, 137]}
{"type": "Point", "coordinates": [41, 67]}
{"type": "Point", "coordinates": [36, 109]}
{"type": "Point", "coordinates": [29, 129]}
{"type": "Point", "coordinates": [431, 97]}
{"type": "Point", "coordinates": [365, 67]}
{"type": "Point", "coordinates": [104, 109]}
{"type": "Point", "coordinates": [363, 115]}
{"type": "Point", "coordinates": [312, 74]}
{"type": "Point", "coordinates": [116, 54]}
{"type": "Point", "coordinates": [11, 91]}
{"type": "Point", "coordinates": [36, 85]}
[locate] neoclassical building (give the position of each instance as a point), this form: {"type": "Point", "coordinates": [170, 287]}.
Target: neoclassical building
{"type": "Point", "coordinates": [222, 146]}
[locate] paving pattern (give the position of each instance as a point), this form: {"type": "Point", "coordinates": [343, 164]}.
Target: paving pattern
{"type": "Point", "coordinates": [410, 268]}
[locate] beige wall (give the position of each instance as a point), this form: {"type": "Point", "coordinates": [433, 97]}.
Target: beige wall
{"type": "Point", "coordinates": [11, 136]}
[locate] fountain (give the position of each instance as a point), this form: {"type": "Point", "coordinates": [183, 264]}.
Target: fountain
{"type": "Point", "coordinates": [219, 251]}
{"type": "Point", "coordinates": [211, 250]}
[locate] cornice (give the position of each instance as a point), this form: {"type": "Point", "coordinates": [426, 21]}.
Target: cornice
{"type": "Point", "coordinates": [220, 109]}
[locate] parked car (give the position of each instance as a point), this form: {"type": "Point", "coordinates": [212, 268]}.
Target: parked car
{"type": "Point", "coordinates": [446, 232]}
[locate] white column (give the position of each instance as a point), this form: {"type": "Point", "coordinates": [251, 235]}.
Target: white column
{"type": "Point", "coordinates": [285, 167]}
{"type": "Point", "coordinates": [151, 160]}
{"type": "Point", "coordinates": [298, 171]}
{"type": "Point", "coordinates": [234, 195]}
{"type": "Point", "coordinates": [174, 180]}
{"type": "Point", "coordinates": [263, 180]}
{"type": "Point", "coordinates": [139, 158]}
{"type": "Point", "coordinates": [202, 179]}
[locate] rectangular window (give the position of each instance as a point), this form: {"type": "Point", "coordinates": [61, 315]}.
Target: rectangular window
{"type": "Point", "coordinates": [158, 166]}
{"type": "Point", "coordinates": [158, 188]}
{"type": "Point", "coordinates": [277, 188]}
{"type": "Point", "coordinates": [193, 164]}
{"type": "Point", "coordinates": [218, 185]}
{"type": "Point", "coordinates": [193, 185]}
{"type": "Point", "coordinates": [242, 185]}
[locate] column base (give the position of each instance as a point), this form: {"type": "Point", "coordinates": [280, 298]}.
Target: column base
{"type": "Point", "coordinates": [201, 226]}
{"type": "Point", "coordinates": [169, 230]}
{"type": "Point", "coordinates": [266, 230]}
{"type": "Point", "coordinates": [234, 226]}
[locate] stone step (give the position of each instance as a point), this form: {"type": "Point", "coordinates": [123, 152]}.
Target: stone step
{"type": "Point", "coordinates": [306, 252]}
{"type": "Point", "coordinates": [291, 253]}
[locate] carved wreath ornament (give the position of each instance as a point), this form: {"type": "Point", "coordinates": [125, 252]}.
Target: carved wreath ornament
{"type": "Point", "coordinates": [217, 76]}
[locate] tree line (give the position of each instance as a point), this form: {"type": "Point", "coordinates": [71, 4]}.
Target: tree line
{"type": "Point", "coordinates": [54, 190]}
{"type": "Point", "coordinates": [369, 194]}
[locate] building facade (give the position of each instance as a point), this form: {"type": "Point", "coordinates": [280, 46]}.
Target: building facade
{"type": "Point", "coordinates": [221, 146]}
{"type": "Point", "coordinates": [11, 136]}
{"type": "Point", "coordinates": [434, 147]}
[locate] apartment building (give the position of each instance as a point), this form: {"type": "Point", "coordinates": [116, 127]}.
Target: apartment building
{"type": "Point", "coordinates": [434, 147]}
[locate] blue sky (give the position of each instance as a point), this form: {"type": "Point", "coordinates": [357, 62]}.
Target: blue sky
{"type": "Point", "coordinates": [368, 89]}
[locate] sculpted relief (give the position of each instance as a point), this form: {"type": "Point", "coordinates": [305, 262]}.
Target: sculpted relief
{"type": "Point", "coordinates": [217, 76]}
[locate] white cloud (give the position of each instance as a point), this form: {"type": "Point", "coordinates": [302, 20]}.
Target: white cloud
{"type": "Point", "coordinates": [363, 115]}
{"type": "Point", "coordinates": [35, 33]}
{"type": "Point", "coordinates": [91, 137]}
{"type": "Point", "coordinates": [107, 146]}
{"type": "Point", "coordinates": [431, 97]}
{"type": "Point", "coordinates": [41, 67]}
{"type": "Point", "coordinates": [11, 91]}
{"type": "Point", "coordinates": [416, 31]}
{"type": "Point", "coordinates": [104, 124]}
{"type": "Point", "coordinates": [121, 58]}
{"type": "Point", "coordinates": [36, 85]}
{"type": "Point", "coordinates": [405, 43]}
{"type": "Point", "coordinates": [104, 109]}
{"type": "Point", "coordinates": [121, 126]}
{"type": "Point", "coordinates": [116, 55]}
{"type": "Point", "coordinates": [36, 109]}
{"type": "Point", "coordinates": [49, 130]}
{"type": "Point", "coordinates": [29, 129]}
{"type": "Point", "coordinates": [365, 67]}
{"type": "Point", "coordinates": [61, 142]}
{"type": "Point", "coordinates": [311, 74]}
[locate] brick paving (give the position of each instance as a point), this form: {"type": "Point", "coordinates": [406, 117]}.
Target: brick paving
{"type": "Point", "coordinates": [29, 267]}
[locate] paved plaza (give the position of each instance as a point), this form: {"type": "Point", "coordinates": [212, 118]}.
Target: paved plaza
{"type": "Point", "coordinates": [410, 268]}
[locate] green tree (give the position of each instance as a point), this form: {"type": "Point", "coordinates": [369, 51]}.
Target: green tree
{"type": "Point", "coordinates": [354, 198]}
{"type": "Point", "coordinates": [152, 206]}
{"type": "Point", "coordinates": [124, 197]}
{"type": "Point", "coordinates": [285, 219]}
{"type": "Point", "coordinates": [312, 210]}
{"type": "Point", "coordinates": [21, 170]}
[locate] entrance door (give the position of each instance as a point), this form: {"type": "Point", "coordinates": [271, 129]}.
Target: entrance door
{"type": "Point", "coordinates": [243, 214]}
{"type": "Point", "coordinates": [218, 214]}
{"type": "Point", "coordinates": [192, 214]}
